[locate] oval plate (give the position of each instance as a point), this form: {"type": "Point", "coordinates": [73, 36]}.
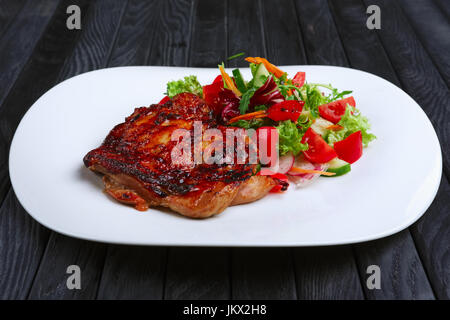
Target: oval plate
{"type": "Point", "coordinates": [388, 189]}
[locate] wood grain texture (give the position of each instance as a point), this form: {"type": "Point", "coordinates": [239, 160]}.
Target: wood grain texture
{"type": "Point", "coordinates": [19, 40]}
{"type": "Point", "coordinates": [432, 27]}
{"type": "Point", "coordinates": [22, 243]}
{"type": "Point", "coordinates": [320, 37]}
{"type": "Point", "coordinates": [327, 273]}
{"type": "Point", "coordinates": [282, 33]}
{"type": "Point", "coordinates": [364, 51]}
{"type": "Point", "coordinates": [197, 273]}
{"type": "Point", "coordinates": [263, 273]}
{"type": "Point", "coordinates": [432, 237]}
{"type": "Point", "coordinates": [8, 12]}
{"type": "Point", "coordinates": [45, 64]}
{"type": "Point", "coordinates": [245, 30]}
{"type": "Point", "coordinates": [133, 273]}
{"type": "Point", "coordinates": [51, 279]}
{"type": "Point", "coordinates": [402, 273]}
{"type": "Point", "coordinates": [91, 52]}
{"type": "Point", "coordinates": [209, 45]}
{"type": "Point", "coordinates": [417, 73]}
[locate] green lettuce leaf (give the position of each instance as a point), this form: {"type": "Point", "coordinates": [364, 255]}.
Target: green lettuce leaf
{"type": "Point", "coordinates": [290, 138]}
{"type": "Point", "coordinates": [189, 84]}
{"type": "Point", "coordinates": [351, 123]}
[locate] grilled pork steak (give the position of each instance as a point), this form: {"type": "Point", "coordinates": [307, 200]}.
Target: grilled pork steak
{"type": "Point", "coordinates": [135, 159]}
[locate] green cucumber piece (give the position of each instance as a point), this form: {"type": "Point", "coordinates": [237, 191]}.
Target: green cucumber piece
{"type": "Point", "coordinates": [260, 75]}
{"type": "Point", "coordinates": [339, 167]}
{"type": "Point", "coordinates": [240, 83]}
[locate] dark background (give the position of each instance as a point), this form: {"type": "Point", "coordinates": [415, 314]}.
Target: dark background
{"type": "Point", "coordinates": [37, 51]}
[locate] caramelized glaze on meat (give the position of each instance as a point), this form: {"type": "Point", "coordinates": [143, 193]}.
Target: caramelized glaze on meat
{"type": "Point", "coordinates": [136, 160]}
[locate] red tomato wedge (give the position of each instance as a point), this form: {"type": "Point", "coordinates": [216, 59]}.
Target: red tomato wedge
{"type": "Point", "coordinates": [334, 111]}
{"type": "Point", "coordinates": [218, 79]}
{"type": "Point", "coordinates": [319, 151]}
{"type": "Point", "coordinates": [350, 149]}
{"type": "Point", "coordinates": [282, 179]}
{"type": "Point", "coordinates": [286, 110]}
{"type": "Point", "coordinates": [164, 100]}
{"type": "Point", "coordinates": [299, 79]}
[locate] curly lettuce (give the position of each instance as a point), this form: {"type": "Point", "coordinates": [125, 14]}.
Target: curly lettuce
{"type": "Point", "coordinates": [351, 122]}
{"type": "Point", "coordinates": [290, 138]}
{"type": "Point", "coordinates": [189, 84]}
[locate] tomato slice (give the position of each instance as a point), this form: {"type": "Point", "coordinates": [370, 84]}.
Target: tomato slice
{"type": "Point", "coordinates": [334, 111]}
{"type": "Point", "coordinates": [350, 149]}
{"type": "Point", "coordinates": [218, 79]}
{"type": "Point", "coordinates": [267, 140]}
{"type": "Point", "coordinates": [282, 179]}
{"type": "Point", "coordinates": [319, 151]}
{"type": "Point", "coordinates": [286, 110]}
{"type": "Point", "coordinates": [164, 100]}
{"type": "Point", "coordinates": [299, 79]}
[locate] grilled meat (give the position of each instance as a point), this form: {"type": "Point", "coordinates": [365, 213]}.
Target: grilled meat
{"type": "Point", "coordinates": [135, 159]}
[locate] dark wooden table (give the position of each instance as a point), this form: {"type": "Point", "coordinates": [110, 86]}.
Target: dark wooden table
{"type": "Point", "coordinates": [37, 51]}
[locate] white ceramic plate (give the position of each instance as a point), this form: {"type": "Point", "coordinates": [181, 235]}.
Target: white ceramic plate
{"type": "Point", "coordinates": [388, 189]}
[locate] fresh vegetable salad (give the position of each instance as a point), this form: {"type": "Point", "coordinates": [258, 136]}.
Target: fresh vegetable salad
{"type": "Point", "coordinates": [319, 129]}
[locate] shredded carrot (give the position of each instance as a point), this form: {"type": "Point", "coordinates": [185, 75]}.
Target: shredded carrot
{"type": "Point", "coordinates": [270, 67]}
{"type": "Point", "coordinates": [229, 82]}
{"type": "Point", "coordinates": [324, 173]}
{"type": "Point", "coordinates": [335, 127]}
{"type": "Point", "coordinates": [248, 116]}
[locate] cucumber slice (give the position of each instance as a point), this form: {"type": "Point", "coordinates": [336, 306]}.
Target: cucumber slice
{"type": "Point", "coordinates": [338, 166]}
{"type": "Point", "coordinates": [260, 75]}
{"type": "Point", "coordinates": [240, 83]}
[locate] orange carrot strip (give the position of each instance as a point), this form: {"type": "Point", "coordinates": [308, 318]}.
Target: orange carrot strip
{"type": "Point", "coordinates": [270, 67]}
{"type": "Point", "coordinates": [229, 82]}
{"type": "Point", "coordinates": [252, 115]}
{"type": "Point", "coordinates": [324, 173]}
{"type": "Point", "coordinates": [335, 127]}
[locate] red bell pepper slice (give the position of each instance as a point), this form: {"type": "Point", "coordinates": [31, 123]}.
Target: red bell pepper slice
{"type": "Point", "coordinates": [286, 110]}
{"type": "Point", "coordinates": [334, 111]}
{"type": "Point", "coordinates": [350, 149]}
{"type": "Point", "coordinates": [299, 79]}
{"type": "Point", "coordinates": [282, 179]}
{"type": "Point", "coordinates": [218, 79]}
{"type": "Point", "coordinates": [319, 151]}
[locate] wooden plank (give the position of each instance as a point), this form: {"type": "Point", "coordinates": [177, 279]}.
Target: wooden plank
{"type": "Point", "coordinates": [263, 273]}
{"type": "Point", "coordinates": [19, 40]}
{"type": "Point", "coordinates": [22, 243]}
{"type": "Point", "coordinates": [327, 273]}
{"type": "Point", "coordinates": [432, 27]}
{"type": "Point", "coordinates": [91, 52]}
{"type": "Point", "coordinates": [363, 51]}
{"type": "Point", "coordinates": [51, 278]}
{"type": "Point", "coordinates": [8, 12]}
{"type": "Point", "coordinates": [432, 237]}
{"type": "Point", "coordinates": [209, 41]}
{"type": "Point", "coordinates": [133, 273]}
{"type": "Point", "coordinates": [138, 35]}
{"type": "Point", "coordinates": [282, 31]}
{"type": "Point", "coordinates": [245, 30]}
{"type": "Point", "coordinates": [402, 273]}
{"type": "Point", "coordinates": [417, 73]}
{"type": "Point", "coordinates": [320, 37]}
{"type": "Point", "coordinates": [45, 65]}
{"type": "Point", "coordinates": [197, 273]}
